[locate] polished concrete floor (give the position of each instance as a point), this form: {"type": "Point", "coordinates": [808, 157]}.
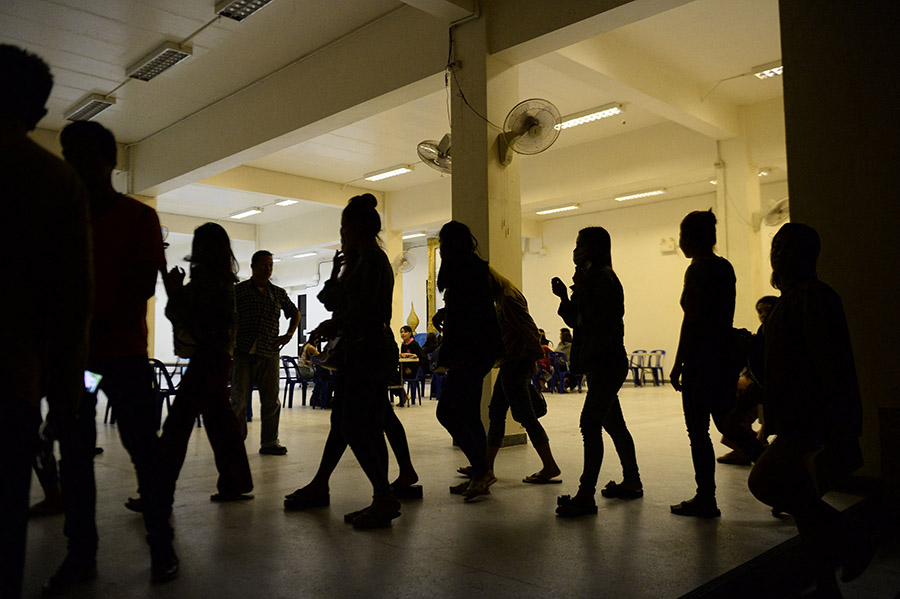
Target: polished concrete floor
{"type": "Point", "coordinates": [508, 544]}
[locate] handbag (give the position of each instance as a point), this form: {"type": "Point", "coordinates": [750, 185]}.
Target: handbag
{"type": "Point", "coordinates": [332, 356]}
{"type": "Point", "coordinates": [538, 403]}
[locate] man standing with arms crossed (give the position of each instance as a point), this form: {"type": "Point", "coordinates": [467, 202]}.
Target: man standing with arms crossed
{"type": "Point", "coordinates": [256, 353]}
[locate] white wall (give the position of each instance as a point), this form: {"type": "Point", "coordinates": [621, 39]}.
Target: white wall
{"type": "Point", "coordinates": [652, 280]}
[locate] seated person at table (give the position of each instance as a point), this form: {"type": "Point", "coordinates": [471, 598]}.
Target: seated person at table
{"type": "Point", "coordinates": [304, 360]}
{"type": "Point", "coordinates": [410, 348]}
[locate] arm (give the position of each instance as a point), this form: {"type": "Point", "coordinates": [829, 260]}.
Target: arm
{"type": "Point", "coordinates": [567, 309]}
{"type": "Point", "coordinates": [291, 311]}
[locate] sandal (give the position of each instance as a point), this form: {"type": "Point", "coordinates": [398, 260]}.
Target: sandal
{"type": "Point", "coordinates": [459, 489]}
{"type": "Point", "coordinates": [697, 507]}
{"type": "Point", "coordinates": [378, 515]}
{"type": "Point", "coordinates": [614, 490]}
{"type": "Point", "coordinates": [302, 499]}
{"type": "Point", "coordinates": [572, 507]}
{"type": "Point", "coordinates": [479, 486]}
{"type": "Point", "coordinates": [465, 471]}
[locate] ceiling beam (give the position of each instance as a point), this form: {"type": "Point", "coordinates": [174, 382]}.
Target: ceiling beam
{"type": "Point", "coordinates": [446, 10]}
{"type": "Point", "coordinates": [380, 66]}
{"type": "Point", "coordinates": [631, 76]}
{"type": "Point", "coordinates": [257, 180]}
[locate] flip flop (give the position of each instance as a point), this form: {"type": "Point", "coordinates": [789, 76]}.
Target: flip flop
{"type": "Point", "coordinates": [465, 471]}
{"type": "Point", "coordinates": [539, 479]}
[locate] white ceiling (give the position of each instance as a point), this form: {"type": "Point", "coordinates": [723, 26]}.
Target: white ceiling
{"type": "Point", "coordinates": [90, 43]}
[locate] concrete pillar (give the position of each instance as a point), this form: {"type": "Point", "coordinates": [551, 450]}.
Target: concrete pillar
{"type": "Point", "coordinates": [737, 198]}
{"type": "Point", "coordinates": [393, 247]}
{"type": "Point", "coordinates": [485, 194]}
{"type": "Point", "coordinates": [840, 94]}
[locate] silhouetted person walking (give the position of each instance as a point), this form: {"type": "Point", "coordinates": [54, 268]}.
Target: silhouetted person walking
{"type": "Point", "coordinates": [595, 312]}
{"type": "Point", "coordinates": [704, 369]}
{"type": "Point", "coordinates": [359, 293]}
{"type": "Point", "coordinates": [815, 412]}
{"type": "Point", "coordinates": [42, 347]}
{"type": "Point", "coordinates": [468, 314]}
{"type": "Point", "coordinates": [128, 253]}
{"type": "Point", "coordinates": [203, 321]}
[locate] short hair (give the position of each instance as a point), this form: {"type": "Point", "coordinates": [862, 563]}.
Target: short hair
{"type": "Point", "coordinates": [96, 136]}
{"type": "Point", "coordinates": [406, 328]}
{"type": "Point", "coordinates": [767, 299]}
{"type": "Point", "coordinates": [700, 226]}
{"type": "Point", "coordinates": [360, 211]}
{"type": "Point", "coordinates": [27, 81]}
{"type": "Point", "coordinates": [259, 254]}
{"type": "Point", "coordinates": [803, 244]}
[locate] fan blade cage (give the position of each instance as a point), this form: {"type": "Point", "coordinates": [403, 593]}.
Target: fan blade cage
{"type": "Point", "coordinates": [531, 126]}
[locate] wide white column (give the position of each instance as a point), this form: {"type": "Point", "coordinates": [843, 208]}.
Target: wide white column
{"type": "Point", "coordinates": [485, 194]}
{"type": "Point", "coordinates": [737, 198]}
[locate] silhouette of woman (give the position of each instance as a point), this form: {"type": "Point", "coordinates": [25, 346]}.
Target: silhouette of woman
{"type": "Point", "coordinates": [703, 370]}
{"type": "Point", "coordinates": [816, 413]}
{"type": "Point", "coordinates": [468, 314]}
{"type": "Point", "coordinates": [595, 312]}
{"type": "Point", "coordinates": [359, 294]}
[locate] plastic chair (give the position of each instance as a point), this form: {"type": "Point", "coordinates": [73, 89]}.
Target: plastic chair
{"type": "Point", "coordinates": [636, 365]}
{"type": "Point", "coordinates": [292, 379]}
{"type": "Point", "coordinates": [322, 385]}
{"type": "Point", "coordinates": [415, 385]}
{"type": "Point", "coordinates": [559, 370]}
{"type": "Point", "coordinates": [655, 363]}
{"type": "Point", "coordinates": [163, 388]}
{"type": "Point", "coordinates": [420, 338]}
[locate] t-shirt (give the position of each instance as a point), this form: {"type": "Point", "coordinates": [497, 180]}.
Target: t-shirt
{"type": "Point", "coordinates": [128, 253]}
{"type": "Point", "coordinates": [708, 304]}
{"type": "Point", "coordinates": [48, 280]}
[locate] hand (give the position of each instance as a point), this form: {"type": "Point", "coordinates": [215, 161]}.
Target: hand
{"type": "Point", "coordinates": [174, 281]}
{"type": "Point", "coordinates": [337, 263]}
{"type": "Point", "coordinates": [579, 279]}
{"type": "Point", "coordinates": [675, 377]}
{"type": "Point", "coordinates": [326, 330]}
{"type": "Point", "coordinates": [559, 288]}
{"type": "Point", "coordinates": [281, 341]}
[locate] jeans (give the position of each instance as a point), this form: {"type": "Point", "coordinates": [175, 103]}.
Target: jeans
{"type": "Point", "coordinates": [262, 371]}
{"type": "Point", "coordinates": [203, 390]}
{"type": "Point", "coordinates": [602, 411]}
{"type": "Point", "coordinates": [711, 392]}
{"type": "Point", "coordinates": [459, 411]}
{"type": "Point", "coordinates": [511, 392]}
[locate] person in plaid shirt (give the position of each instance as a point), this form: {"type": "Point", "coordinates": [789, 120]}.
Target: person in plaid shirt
{"type": "Point", "coordinates": [259, 304]}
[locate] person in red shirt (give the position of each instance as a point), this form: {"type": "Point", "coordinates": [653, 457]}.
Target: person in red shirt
{"type": "Point", "coordinates": [128, 253]}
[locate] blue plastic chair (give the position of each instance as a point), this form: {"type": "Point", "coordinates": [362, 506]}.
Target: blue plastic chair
{"type": "Point", "coordinates": [655, 364]}
{"type": "Point", "coordinates": [636, 365]}
{"type": "Point", "coordinates": [322, 385]}
{"type": "Point", "coordinates": [292, 379]}
{"type": "Point", "coordinates": [559, 370]}
{"type": "Point", "coordinates": [415, 385]}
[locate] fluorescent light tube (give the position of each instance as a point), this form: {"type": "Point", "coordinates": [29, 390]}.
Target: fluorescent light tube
{"type": "Point", "coordinates": [276, 260]}
{"type": "Point", "coordinates": [246, 213]}
{"type": "Point", "coordinates": [643, 194]}
{"type": "Point", "coordinates": [286, 203]}
{"type": "Point", "coordinates": [162, 58]}
{"type": "Point", "coordinates": [413, 235]}
{"type": "Point", "coordinates": [306, 255]}
{"type": "Point", "coordinates": [768, 70]}
{"type": "Point", "coordinates": [88, 107]}
{"type": "Point", "coordinates": [389, 172]}
{"type": "Point", "coordinates": [240, 9]}
{"type": "Point", "coordinates": [562, 209]}
{"type": "Point", "coordinates": [588, 116]}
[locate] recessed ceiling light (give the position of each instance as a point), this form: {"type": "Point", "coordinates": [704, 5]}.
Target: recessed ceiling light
{"type": "Point", "coordinates": [643, 194]}
{"type": "Point", "coordinates": [240, 9]}
{"type": "Point", "coordinates": [88, 107]}
{"type": "Point", "coordinates": [561, 209]}
{"type": "Point", "coordinates": [769, 70]}
{"type": "Point", "coordinates": [286, 203]}
{"type": "Point", "coordinates": [413, 235]}
{"type": "Point", "coordinates": [389, 172]}
{"type": "Point", "coordinates": [588, 116]}
{"type": "Point", "coordinates": [246, 213]}
{"type": "Point", "coordinates": [306, 255]}
{"type": "Point", "coordinates": [162, 58]}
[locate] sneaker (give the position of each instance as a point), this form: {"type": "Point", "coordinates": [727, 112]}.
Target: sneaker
{"type": "Point", "coordinates": [71, 572]}
{"type": "Point", "coordinates": [164, 564]}
{"type": "Point", "coordinates": [273, 450]}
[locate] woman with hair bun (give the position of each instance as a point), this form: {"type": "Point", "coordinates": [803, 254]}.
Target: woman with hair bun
{"type": "Point", "coordinates": [704, 371]}
{"type": "Point", "coordinates": [359, 294]}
